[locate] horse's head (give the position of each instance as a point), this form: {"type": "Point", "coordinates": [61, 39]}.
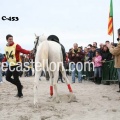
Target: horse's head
{"type": "Point", "coordinates": [38, 40]}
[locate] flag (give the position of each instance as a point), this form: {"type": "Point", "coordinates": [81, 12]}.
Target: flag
{"type": "Point", "coordinates": [110, 23]}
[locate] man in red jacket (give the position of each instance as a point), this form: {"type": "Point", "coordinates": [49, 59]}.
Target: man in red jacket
{"type": "Point", "coordinates": [12, 56]}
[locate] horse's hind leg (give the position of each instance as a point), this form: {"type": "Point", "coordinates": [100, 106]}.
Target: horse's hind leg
{"type": "Point", "coordinates": [62, 69]}
{"type": "Point", "coordinates": [72, 97]}
{"type": "Point", "coordinates": [55, 86]}
{"type": "Point", "coordinates": [51, 84]}
{"type": "Point", "coordinates": [36, 80]}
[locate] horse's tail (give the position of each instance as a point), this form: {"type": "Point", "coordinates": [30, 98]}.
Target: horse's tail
{"type": "Point", "coordinates": [44, 55]}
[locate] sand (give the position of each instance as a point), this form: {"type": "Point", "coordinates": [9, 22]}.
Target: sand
{"type": "Point", "coordinates": [94, 102]}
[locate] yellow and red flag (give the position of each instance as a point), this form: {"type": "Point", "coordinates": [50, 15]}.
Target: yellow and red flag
{"type": "Point", "coordinates": [110, 23]}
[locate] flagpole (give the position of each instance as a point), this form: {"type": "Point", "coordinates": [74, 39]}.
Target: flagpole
{"type": "Point", "coordinates": [113, 25]}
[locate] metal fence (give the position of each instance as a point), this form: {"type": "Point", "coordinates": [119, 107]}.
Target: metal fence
{"type": "Point", "coordinates": [109, 73]}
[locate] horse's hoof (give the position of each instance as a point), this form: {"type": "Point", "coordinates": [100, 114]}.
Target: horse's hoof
{"type": "Point", "coordinates": [36, 104]}
{"type": "Point", "coordinates": [56, 99]}
{"type": "Point", "coordinates": [72, 98]}
{"type": "Point", "coordinates": [50, 97]}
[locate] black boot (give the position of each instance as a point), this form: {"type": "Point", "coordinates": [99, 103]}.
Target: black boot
{"type": "Point", "coordinates": [20, 91]}
{"type": "Point", "coordinates": [19, 94]}
{"type": "Point", "coordinates": [119, 88]}
{"type": "Point", "coordinates": [99, 80]}
{"type": "Point", "coordinates": [95, 80]}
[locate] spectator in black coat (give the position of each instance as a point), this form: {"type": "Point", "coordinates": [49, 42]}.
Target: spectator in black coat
{"type": "Point", "coordinates": [101, 48]}
{"type": "Point", "coordinates": [106, 55]}
{"type": "Point", "coordinates": [92, 53]}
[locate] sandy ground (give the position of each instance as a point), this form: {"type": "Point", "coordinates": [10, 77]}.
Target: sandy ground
{"type": "Point", "coordinates": [94, 102]}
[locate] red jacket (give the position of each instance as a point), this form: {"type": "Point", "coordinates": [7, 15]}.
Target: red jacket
{"type": "Point", "coordinates": [19, 50]}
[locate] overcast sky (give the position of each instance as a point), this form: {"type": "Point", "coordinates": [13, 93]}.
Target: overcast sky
{"type": "Point", "coordinates": [81, 21]}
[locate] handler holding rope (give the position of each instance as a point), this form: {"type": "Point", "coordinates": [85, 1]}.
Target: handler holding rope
{"type": "Point", "coordinates": [12, 56]}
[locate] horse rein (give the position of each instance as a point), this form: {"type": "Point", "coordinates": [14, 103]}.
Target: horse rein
{"type": "Point", "coordinates": [35, 50]}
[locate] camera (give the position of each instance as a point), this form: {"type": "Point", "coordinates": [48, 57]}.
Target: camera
{"type": "Point", "coordinates": [115, 44]}
{"type": "Point", "coordinates": [118, 39]}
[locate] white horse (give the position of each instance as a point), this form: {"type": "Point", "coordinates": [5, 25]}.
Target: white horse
{"type": "Point", "coordinates": [47, 53]}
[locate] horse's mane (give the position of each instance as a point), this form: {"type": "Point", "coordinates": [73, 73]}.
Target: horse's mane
{"type": "Point", "coordinates": [42, 38]}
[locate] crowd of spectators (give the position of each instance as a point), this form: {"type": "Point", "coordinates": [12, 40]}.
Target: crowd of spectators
{"type": "Point", "coordinates": [98, 54]}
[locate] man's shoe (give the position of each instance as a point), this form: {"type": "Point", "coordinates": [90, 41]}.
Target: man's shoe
{"type": "Point", "coordinates": [20, 95]}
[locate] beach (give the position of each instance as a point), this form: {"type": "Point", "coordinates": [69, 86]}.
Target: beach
{"type": "Point", "coordinates": [93, 102]}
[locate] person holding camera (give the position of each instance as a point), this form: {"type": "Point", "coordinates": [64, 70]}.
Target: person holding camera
{"type": "Point", "coordinates": [76, 55]}
{"type": "Point", "coordinates": [116, 52]}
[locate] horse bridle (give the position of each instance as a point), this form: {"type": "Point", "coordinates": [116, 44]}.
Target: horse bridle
{"type": "Point", "coordinates": [35, 48]}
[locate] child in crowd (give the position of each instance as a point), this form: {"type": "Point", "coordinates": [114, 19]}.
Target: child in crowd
{"type": "Point", "coordinates": [97, 67]}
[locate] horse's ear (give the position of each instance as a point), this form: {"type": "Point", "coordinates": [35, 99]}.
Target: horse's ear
{"type": "Point", "coordinates": [35, 35]}
{"type": "Point", "coordinates": [43, 34]}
